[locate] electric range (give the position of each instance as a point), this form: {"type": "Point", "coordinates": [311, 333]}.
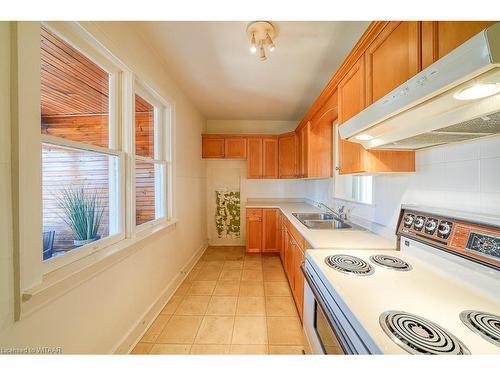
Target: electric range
{"type": "Point", "coordinates": [440, 294]}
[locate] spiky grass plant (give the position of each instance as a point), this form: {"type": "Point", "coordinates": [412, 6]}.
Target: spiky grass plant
{"type": "Point", "coordinates": [82, 211]}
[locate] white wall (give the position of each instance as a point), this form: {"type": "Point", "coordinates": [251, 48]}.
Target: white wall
{"type": "Point", "coordinates": [95, 316]}
{"type": "Point", "coordinates": [462, 176]}
{"type": "Point", "coordinates": [250, 126]}
{"type": "Point", "coordinates": [231, 174]}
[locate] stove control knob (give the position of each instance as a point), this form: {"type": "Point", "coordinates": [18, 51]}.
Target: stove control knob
{"type": "Point", "coordinates": [419, 223]}
{"type": "Point", "coordinates": [431, 225]}
{"type": "Point", "coordinates": [444, 229]}
{"type": "Point", "coordinates": [409, 220]}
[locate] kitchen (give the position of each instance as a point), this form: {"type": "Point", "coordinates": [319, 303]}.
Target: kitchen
{"type": "Point", "coordinates": [319, 203]}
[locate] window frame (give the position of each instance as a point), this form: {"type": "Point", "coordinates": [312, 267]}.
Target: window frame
{"type": "Point", "coordinates": [89, 48]}
{"type": "Point", "coordinates": [36, 283]}
{"type": "Point", "coordinates": [161, 158]}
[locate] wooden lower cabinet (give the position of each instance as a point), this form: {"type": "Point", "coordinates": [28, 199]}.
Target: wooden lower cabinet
{"type": "Point", "coordinates": [270, 230]}
{"type": "Point", "coordinates": [292, 256]}
{"type": "Point", "coordinates": [262, 230]}
{"type": "Point", "coordinates": [298, 277]}
{"type": "Point", "coordinates": [254, 230]}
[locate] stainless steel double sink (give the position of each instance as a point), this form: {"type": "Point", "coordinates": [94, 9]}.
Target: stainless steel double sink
{"type": "Point", "coordinates": [319, 220]}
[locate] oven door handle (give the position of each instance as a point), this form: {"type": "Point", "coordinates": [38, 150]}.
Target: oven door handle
{"type": "Point", "coordinates": [326, 311]}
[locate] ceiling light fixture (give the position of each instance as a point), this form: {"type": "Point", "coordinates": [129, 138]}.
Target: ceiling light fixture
{"type": "Point", "coordinates": [261, 34]}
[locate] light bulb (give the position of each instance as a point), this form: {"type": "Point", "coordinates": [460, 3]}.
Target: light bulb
{"type": "Point", "coordinates": [262, 52]}
{"type": "Point", "coordinates": [477, 91]}
{"type": "Point", "coordinates": [270, 43]}
{"type": "Point", "coordinates": [253, 45]}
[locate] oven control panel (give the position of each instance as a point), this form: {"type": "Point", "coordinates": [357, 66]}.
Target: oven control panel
{"type": "Point", "coordinates": [472, 240]}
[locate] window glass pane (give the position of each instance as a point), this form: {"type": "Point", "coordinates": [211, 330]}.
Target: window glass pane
{"type": "Point", "coordinates": [80, 199]}
{"type": "Point", "coordinates": [144, 128]}
{"type": "Point", "coordinates": [145, 201]}
{"type": "Point", "coordinates": [74, 93]}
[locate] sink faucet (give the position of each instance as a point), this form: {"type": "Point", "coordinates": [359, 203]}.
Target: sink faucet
{"type": "Point", "coordinates": [341, 213]}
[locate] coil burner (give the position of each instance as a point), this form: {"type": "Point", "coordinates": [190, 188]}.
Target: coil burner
{"type": "Point", "coordinates": [349, 264]}
{"type": "Point", "coordinates": [391, 262]}
{"type": "Point", "coordinates": [417, 335]}
{"type": "Point", "coordinates": [484, 324]}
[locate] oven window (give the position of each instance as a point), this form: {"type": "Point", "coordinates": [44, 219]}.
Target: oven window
{"type": "Point", "coordinates": [325, 333]}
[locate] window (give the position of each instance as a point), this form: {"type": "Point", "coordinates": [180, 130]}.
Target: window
{"type": "Point", "coordinates": [354, 188]}
{"type": "Point", "coordinates": [81, 188]}
{"type": "Point", "coordinates": [150, 163]}
{"type": "Point", "coordinates": [106, 170]}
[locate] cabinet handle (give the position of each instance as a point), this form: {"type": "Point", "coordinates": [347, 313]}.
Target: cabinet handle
{"type": "Point", "coordinates": [337, 168]}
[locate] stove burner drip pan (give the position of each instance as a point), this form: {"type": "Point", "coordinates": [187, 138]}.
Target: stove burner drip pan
{"type": "Point", "coordinates": [417, 335]}
{"type": "Point", "coordinates": [484, 324]}
{"type": "Point", "coordinates": [391, 262]}
{"type": "Point", "coordinates": [349, 264]}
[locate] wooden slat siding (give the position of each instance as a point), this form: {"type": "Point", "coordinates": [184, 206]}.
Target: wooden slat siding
{"type": "Point", "coordinates": [144, 128]}
{"type": "Point", "coordinates": [65, 168]}
{"type": "Point", "coordinates": [70, 82]}
{"type": "Point", "coordinates": [89, 128]}
{"type": "Point", "coordinates": [144, 192]}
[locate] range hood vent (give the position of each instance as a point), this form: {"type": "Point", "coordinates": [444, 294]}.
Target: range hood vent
{"type": "Point", "coordinates": [427, 111]}
{"type": "Point", "coordinates": [475, 128]}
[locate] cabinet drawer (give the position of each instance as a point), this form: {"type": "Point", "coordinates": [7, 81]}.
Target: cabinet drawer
{"type": "Point", "coordinates": [254, 213]}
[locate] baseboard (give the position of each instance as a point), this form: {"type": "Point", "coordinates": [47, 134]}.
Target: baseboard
{"type": "Point", "coordinates": [133, 336]}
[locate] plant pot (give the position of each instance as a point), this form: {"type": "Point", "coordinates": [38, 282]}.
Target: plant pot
{"type": "Point", "coordinates": [79, 243]}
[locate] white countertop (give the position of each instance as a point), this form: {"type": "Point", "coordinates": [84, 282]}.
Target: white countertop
{"type": "Point", "coordinates": [326, 238]}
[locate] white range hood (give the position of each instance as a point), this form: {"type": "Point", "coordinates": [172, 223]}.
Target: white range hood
{"type": "Point", "coordinates": [433, 107]}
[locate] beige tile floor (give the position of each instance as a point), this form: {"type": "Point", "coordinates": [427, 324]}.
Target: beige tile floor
{"type": "Point", "coordinates": [230, 303]}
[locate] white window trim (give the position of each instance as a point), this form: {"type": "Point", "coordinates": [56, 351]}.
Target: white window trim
{"type": "Point", "coordinates": [90, 48]}
{"type": "Point", "coordinates": [162, 144]}
{"type": "Point", "coordinates": [35, 286]}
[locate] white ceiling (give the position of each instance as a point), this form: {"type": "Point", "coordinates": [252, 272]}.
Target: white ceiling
{"type": "Point", "coordinates": [212, 63]}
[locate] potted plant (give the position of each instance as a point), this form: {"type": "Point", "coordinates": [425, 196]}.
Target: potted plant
{"type": "Point", "coordinates": [82, 212]}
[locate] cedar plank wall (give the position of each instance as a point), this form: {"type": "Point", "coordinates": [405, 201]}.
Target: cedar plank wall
{"type": "Point", "coordinates": [74, 102]}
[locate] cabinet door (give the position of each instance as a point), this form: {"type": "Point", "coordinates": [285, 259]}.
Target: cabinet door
{"type": "Point", "coordinates": [235, 148]}
{"type": "Point", "coordinates": [351, 92]}
{"type": "Point", "coordinates": [304, 150]}
{"type": "Point", "coordinates": [269, 230]}
{"type": "Point", "coordinates": [392, 58]}
{"type": "Point", "coordinates": [212, 147]}
{"type": "Point", "coordinates": [254, 230]}
{"type": "Point", "coordinates": [254, 159]}
{"type": "Point", "coordinates": [441, 37]}
{"type": "Point", "coordinates": [279, 232]}
{"type": "Point", "coordinates": [298, 289]}
{"type": "Point", "coordinates": [288, 156]}
{"type": "Point", "coordinates": [270, 158]}
{"type": "Point", "coordinates": [284, 239]}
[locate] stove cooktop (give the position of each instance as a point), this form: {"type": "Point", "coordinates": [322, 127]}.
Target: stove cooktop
{"type": "Point", "coordinates": [421, 311]}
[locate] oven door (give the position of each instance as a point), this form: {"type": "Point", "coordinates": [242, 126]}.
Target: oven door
{"type": "Point", "coordinates": [320, 324]}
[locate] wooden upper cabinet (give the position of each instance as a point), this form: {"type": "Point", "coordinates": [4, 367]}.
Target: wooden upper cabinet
{"type": "Point", "coordinates": [351, 92]}
{"type": "Point", "coordinates": [254, 159]}
{"type": "Point", "coordinates": [235, 148]}
{"type": "Point", "coordinates": [303, 151]}
{"type": "Point", "coordinates": [269, 230]}
{"type": "Point", "coordinates": [270, 158]}
{"type": "Point", "coordinates": [392, 58]}
{"type": "Point", "coordinates": [351, 97]}
{"type": "Point", "coordinates": [212, 147]}
{"type": "Point", "coordinates": [288, 156]}
{"type": "Point", "coordinates": [441, 37]}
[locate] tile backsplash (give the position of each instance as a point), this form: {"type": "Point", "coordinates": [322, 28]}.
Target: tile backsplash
{"type": "Point", "coordinates": [461, 176]}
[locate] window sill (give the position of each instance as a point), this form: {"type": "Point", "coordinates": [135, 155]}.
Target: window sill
{"type": "Point", "coordinates": [62, 280]}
